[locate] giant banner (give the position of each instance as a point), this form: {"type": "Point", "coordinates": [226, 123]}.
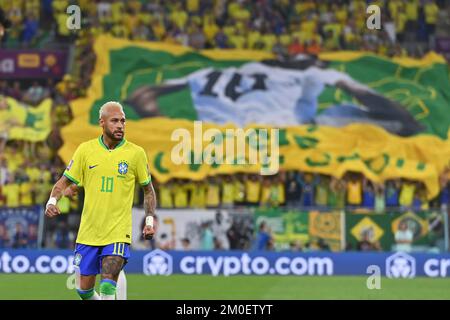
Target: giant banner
{"type": "Point", "coordinates": [19, 121]}
{"type": "Point", "coordinates": [25, 64]}
{"type": "Point", "coordinates": [343, 111]}
{"type": "Point", "coordinates": [223, 263]}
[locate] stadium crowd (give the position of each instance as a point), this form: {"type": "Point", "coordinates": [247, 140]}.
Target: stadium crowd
{"type": "Point", "coordinates": [285, 27]}
{"type": "Point", "coordinates": [294, 189]}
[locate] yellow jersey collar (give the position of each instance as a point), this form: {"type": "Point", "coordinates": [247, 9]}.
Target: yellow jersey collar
{"type": "Point", "coordinates": [121, 143]}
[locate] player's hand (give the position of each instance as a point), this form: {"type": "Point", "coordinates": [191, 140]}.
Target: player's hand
{"type": "Point", "coordinates": [148, 232]}
{"type": "Point", "coordinates": [52, 211]}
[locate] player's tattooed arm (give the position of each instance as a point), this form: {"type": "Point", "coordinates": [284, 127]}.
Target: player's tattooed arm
{"type": "Point", "coordinates": [59, 187]}
{"type": "Point", "coordinates": [51, 210]}
{"type": "Point", "coordinates": [150, 208]}
{"type": "Point", "coordinates": [149, 200]}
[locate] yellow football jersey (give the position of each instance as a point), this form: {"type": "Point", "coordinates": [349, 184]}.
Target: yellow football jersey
{"type": "Point", "coordinates": [109, 178]}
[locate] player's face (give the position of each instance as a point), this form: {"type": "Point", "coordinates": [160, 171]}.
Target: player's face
{"type": "Point", "coordinates": [114, 125]}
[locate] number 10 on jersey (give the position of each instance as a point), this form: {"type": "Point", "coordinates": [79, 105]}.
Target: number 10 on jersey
{"type": "Point", "coordinates": [107, 184]}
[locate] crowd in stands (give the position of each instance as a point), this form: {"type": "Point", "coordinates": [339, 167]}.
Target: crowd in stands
{"type": "Point", "coordinates": [295, 189]}
{"type": "Point", "coordinates": [285, 27]}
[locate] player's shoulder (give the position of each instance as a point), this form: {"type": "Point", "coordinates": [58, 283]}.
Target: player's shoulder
{"type": "Point", "coordinates": [88, 144]}
{"type": "Point", "coordinates": [134, 147]}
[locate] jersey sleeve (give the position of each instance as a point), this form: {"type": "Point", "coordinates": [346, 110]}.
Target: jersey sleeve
{"type": "Point", "coordinates": [74, 171]}
{"type": "Point", "coordinates": [142, 171]}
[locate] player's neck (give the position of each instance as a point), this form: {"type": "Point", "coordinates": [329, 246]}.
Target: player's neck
{"type": "Point", "coordinates": [109, 143]}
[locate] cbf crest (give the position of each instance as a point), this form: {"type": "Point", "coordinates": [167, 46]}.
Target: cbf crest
{"type": "Point", "coordinates": [123, 167]}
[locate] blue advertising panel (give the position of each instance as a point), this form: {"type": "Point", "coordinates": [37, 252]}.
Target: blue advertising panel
{"type": "Point", "coordinates": [229, 263]}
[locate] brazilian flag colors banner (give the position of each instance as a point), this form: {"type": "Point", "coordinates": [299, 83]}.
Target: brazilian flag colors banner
{"type": "Point", "coordinates": [341, 111]}
{"type": "Point", "coordinates": [22, 122]}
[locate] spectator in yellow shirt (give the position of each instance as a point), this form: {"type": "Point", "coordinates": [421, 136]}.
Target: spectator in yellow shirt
{"type": "Point", "coordinates": [400, 23]}
{"type": "Point", "coordinates": [407, 193]}
{"type": "Point", "coordinates": [178, 16]}
{"type": "Point", "coordinates": [180, 194]}
{"type": "Point", "coordinates": [239, 189]}
{"type": "Point", "coordinates": [166, 195]}
{"type": "Point", "coordinates": [26, 192]}
{"type": "Point", "coordinates": [11, 191]}
{"type": "Point", "coordinates": [253, 189]}
{"type": "Point", "coordinates": [431, 11]}
{"type": "Point", "coordinates": [412, 15]}
{"type": "Point", "coordinates": [213, 193]}
{"type": "Point", "coordinates": [227, 192]}
{"type": "Point", "coordinates": [237, 40]}
{"type": "Point", "coordinates": [198, 195]}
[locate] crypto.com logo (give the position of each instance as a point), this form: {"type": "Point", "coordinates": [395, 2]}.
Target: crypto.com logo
{"type": "Point", "coordinates": [400, 265]}
{"type": "Point", "coordinates": [157, 262]}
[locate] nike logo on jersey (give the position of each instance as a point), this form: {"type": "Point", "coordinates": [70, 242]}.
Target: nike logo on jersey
{"type": "Point", "coordinates": [92, 167]}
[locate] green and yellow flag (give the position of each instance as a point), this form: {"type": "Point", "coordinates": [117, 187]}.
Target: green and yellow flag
{"type": "Point", "coordinates": [343, 111]}
{"type": "Point", "coordinates": [23, 122]}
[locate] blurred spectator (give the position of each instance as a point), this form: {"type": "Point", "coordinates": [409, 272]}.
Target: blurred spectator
{"type": "Point", "coordinates": [198, 195]}
{"type": "Point", "coordinates": [185, 244]}
{"type": "Point", "coordinates": [227, 191]}
{"type": "Point", "coordinates": [207, 237]}
{"type": "Point", "coordinates": [63, 238]}
{"type": "Point", "coordinates": [307, 183]}
{"type": "Point", "coordinates": [295, 246]}
{"type": "Point", "coordinates": [165, 243]}
{"type": "Point", "coordinates": [380, 204]}
{"type": "Point", "coordinates": [336, 198]}
{"type": "Point", "coordinates": [253, 189]}
{"type": "Point", "coordinates": [180, 191]}
{"type": "Point", "coordinates": [212, 192]}
{"type": "Point", "coordinates": [263, 238]}
{"type": "Point", "coordinates": [366, 243]}
{"type": "Point", "coordinates": [219, 228]}
{"type": "Point", "coordinates": [322, 191]}
{"type": "Point", "coordinates": [34, 94]}
{"type": "Point", "coordinates": [15, 91]}
{"type": "Point", "coordinates": [32, 236]}
{"type": "Point", "coordinates": [404, 237]}
{"type": "Point", "coordinates": [11, 192]}
{"type": "Point", "coordinates": [293, 189]}
{"type": "Point", "coordinates": [407, 192]}
{"type": "Point", "coordinates": [30, 30]}
{"type": "Point", "coordinates": [165, 192]}
{"type": "Point", "coordinates": [368, 200]}
{"type": "Point", "coordinates": [392, 188]}
{"type": "Point", "coordinates": [354, 190]}
{"type": "Point", "coordinates": [4, 237]}
{"type": "Point", "coordinates": [20, 238]}
{"type": "Point", "coordinates": [322, 245]}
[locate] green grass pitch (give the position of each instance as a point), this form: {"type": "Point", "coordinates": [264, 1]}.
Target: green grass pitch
{"type": "Point", "coordinates": [53, 287]}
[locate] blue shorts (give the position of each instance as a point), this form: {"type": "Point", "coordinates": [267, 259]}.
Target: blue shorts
{"type": "Point", "coordinates": [89, 258]}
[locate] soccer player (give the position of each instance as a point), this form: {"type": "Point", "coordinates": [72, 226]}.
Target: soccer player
{"type": "Point", "coordinates": [108, 168]}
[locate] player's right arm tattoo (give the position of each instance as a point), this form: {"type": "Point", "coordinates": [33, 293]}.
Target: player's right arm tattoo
{"type": "Point", "coordinates": [59, 187]}
{"type": "Point", "coordinates": [149, 200]}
